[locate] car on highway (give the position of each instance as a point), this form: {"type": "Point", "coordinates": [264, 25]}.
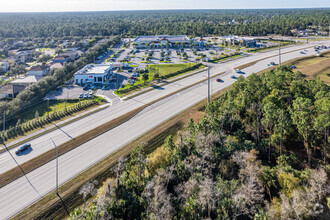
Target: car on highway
{"type": "Point", "coordinates": [23, 148]}
{"type": "Point", "coordinates": [219, 80]}
{"type": "Point", "coordinates": [233, 77]}
{"type": "Point", "coordinates": [238, 71]}
{"type": "Point", "coordinates": [272, 63]}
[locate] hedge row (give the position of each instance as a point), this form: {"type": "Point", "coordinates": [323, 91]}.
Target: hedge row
{"type": "Point", "coordinates": [31, 125]}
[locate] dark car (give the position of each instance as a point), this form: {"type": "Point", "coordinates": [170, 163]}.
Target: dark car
{"type": "Point", "coordinates": [219, 80]}
{"type": "Point", "coordinates": [23, 148]}
{"type": "Point", "coordinates": [233, 77]}
{"type": "Point", "coordinates": [133, 78]}
{"type": "Point", "coordinates": [293, 67]}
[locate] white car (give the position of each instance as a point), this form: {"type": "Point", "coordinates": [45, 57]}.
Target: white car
{"type": "Point", "coordinates": [238, 71]}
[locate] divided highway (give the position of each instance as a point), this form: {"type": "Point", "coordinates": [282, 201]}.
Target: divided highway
{"type": "Point", "coordinates": [21, 193]}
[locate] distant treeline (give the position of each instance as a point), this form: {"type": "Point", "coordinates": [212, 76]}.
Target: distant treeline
{"type": "Point", "coordinates": [188, 22]}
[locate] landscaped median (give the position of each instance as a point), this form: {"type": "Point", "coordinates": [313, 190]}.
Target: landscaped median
{"type": "Point", "coordinates": [156, 71]}
{"type": "Point", "coordinates": [49, 207]}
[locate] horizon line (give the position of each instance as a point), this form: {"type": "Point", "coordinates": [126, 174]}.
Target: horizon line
{"type": "Point", "coordinates": [182, 9]}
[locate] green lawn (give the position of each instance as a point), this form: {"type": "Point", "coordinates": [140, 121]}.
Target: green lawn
{"type": "Point", "coordinates": [30, 113]}
{"type": "Point", "coordinates": [165, 69]}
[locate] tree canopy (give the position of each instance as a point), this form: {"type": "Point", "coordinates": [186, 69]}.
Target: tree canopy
{"type": "Point", "coordinates": [188, 22]}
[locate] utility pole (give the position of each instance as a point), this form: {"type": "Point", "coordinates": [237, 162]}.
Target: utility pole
{"type": "Point", "coordinates": [208, 84]}
{"type": "Point", "coordinates": [279, 53]}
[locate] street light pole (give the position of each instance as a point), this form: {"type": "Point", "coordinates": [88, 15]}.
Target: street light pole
{"type": "Point", "coordinates": [56, 166]}
{"type": "Point", "coordinates": [67, 211]}
{"type": "Point", "coordinates": [4, 126]}
{"type": "Point", "coordinates": [279, 53]}
{"type": "Point", "coordinates": [208, 84]}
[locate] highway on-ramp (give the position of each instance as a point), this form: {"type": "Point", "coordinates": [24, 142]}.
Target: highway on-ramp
{"type": "Point", "coordinates": [24, 191]}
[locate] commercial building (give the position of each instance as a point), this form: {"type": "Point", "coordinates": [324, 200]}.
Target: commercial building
{"type": "Point", "coordinates": [93, 74]}
{"type": "Point", "coordinates": [159, 40]}
{"type": "Point", "coordinates": [242, 41]}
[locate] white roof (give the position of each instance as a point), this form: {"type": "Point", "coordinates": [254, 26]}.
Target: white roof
{"type": "Point", "coordinates": [96, 69]}
{"type": "Point", "coordinates": [171, 38]}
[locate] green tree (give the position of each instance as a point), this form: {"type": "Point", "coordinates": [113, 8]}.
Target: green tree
{"type": "Point", "coordinates": [301, 114]}
{"type": "Point", "coordinates": [145, 77]}
{"type": "Point", "coordinates": [269, 110]}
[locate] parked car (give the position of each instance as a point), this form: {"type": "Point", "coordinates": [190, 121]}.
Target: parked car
{"type": "Point", "coordinates": [86, 95]}
{"type": "Point", "coordinates": [23, 148]}
{"type": "Point", "coordinates": [103, 88]}
{"type": "Point", "coordinates": [238, 71]}
{"type": "Point", "coordinates": [272, 63]}
{"type": "Point", "coordinates": [133, 78]}
{"type": "Point", "coordinates": [87, 87]}
{"type": "Point", "coordinates": [81, 95]}
{"type": "Point", "coordinates": [293, 67]}
{"type": "Point", "coordinates": [233, 77]}
{"type": "Point", "coordinates": [219, 80]}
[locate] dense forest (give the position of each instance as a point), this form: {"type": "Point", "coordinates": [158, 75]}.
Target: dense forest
{"type": "Point", "coordinates": [260, 152]}
{"type": "Point", "coordinates": [188, 22]}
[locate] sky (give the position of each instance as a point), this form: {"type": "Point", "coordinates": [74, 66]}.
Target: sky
{"type": "Point", "coordinates": [115, 5]}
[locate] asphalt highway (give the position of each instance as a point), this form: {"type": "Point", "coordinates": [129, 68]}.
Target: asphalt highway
{"type": "Point", "coordinates": [22, 192]}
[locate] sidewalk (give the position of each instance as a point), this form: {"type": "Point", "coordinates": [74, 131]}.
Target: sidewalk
{"type": "Point", "coordinates": [52, 127]}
